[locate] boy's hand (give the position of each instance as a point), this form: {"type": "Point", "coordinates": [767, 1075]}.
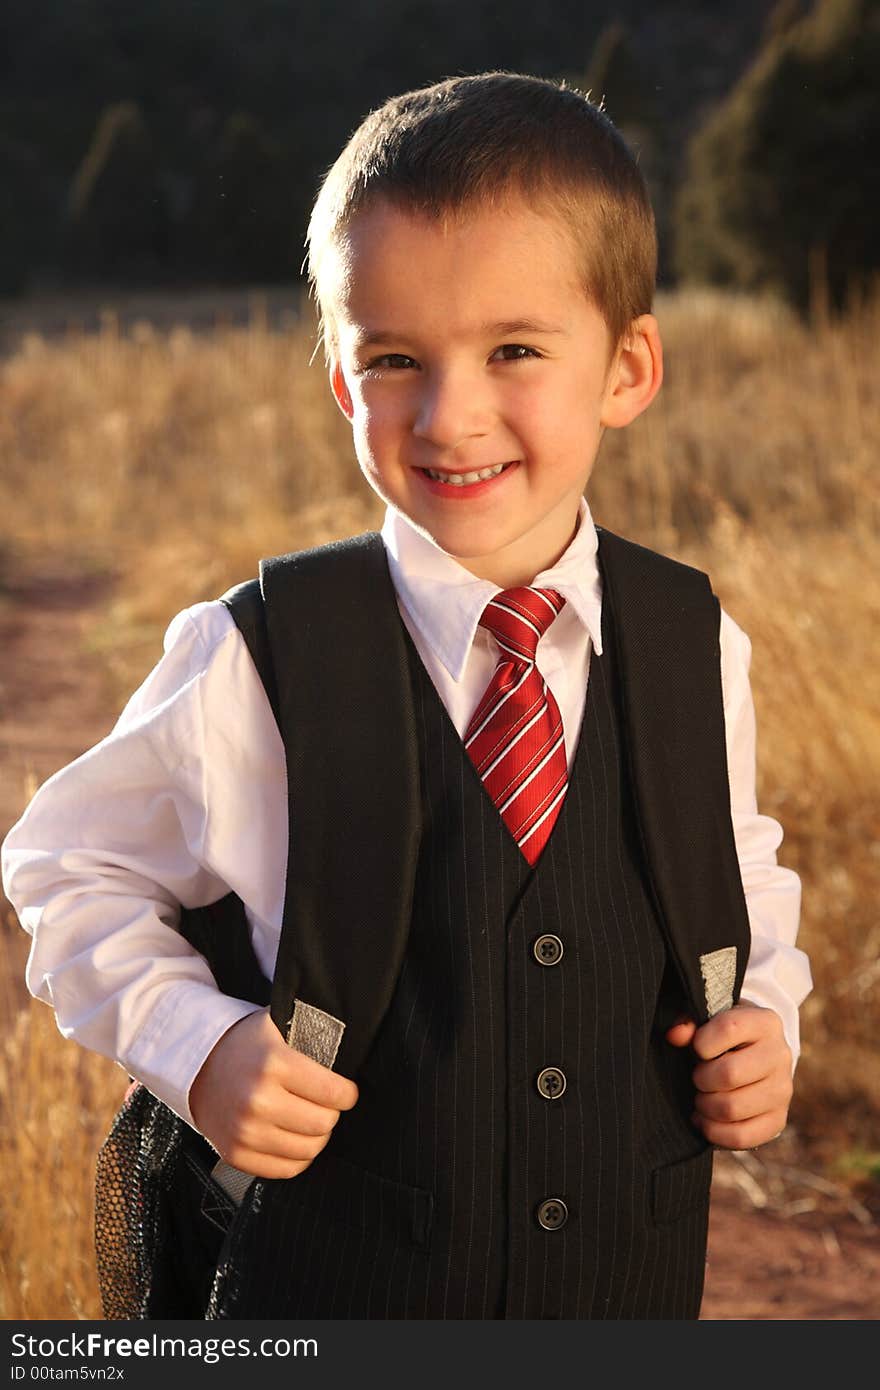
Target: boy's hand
{"type": "Point", "coordinates": [266, 1108]}
{"type": "Point", "coordinates": [744, 1080]}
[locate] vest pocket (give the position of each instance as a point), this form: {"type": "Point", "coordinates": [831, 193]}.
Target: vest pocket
{"type": "Point", "coordinates": [681, 1187]}
{"type": "Point", "coordinates": [342, 1191]}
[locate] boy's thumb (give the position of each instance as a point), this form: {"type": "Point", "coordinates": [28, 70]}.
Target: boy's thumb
{"type": "Point", "coordinates": [680, 1033]}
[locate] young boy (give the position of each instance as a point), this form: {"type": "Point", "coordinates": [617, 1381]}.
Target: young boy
{"type": "Point", "coordinates": [530, 1135]}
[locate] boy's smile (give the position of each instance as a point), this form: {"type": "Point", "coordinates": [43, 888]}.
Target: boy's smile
{"type": "Point", "coordinates": [476, 375]}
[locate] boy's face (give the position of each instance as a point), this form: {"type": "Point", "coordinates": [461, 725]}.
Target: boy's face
{"type": "Point", "coordinates": [470, 348]}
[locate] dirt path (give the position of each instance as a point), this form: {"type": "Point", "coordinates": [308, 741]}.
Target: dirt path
{"type": "Point", "coordinates": [807, 1254]}
{"type": "Point", "coordinates": [780, 1247]}
{"type": "Point", "coordinates": [54, 698]}
{"type": "Point", "coordinates": [53, 695]}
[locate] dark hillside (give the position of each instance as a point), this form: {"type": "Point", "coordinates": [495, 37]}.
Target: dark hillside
{"type": "Point", "coordinates": [240, 106]}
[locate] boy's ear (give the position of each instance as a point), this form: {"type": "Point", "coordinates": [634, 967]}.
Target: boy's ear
{"type": "Point", "coordinates": [636, 373]}
{"type": "Point", "coordinates": [341, 393]}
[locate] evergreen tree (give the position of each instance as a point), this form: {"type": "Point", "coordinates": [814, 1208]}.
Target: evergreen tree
{"type": "Point", "coordinates": [243, 222]}
{"type": "Point", "coordinates": [26, 228]}
{"type": "Point", "coordinates": [625, 87]}
{"type": "Point", "coordinates": [616, 77]}
{"type": "Point", "coordinates": [117, 216]}
{"type": "Point", "coordinates": [784, 14]}
{"type": "Point", "coordinates": [782, 180]}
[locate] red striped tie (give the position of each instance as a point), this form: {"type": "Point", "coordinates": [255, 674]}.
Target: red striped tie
{"type": "Point", "coordinates": [515, 738]}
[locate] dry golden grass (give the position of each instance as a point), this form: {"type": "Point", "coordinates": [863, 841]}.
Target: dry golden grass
{"type": "Point", "coordinates": [58, 1102]}
{"type": "Point", "coordinates": [177, 461]}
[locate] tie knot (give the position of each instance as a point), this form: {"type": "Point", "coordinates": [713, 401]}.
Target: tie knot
{"type": "Point", "coordinates": [518, 619]}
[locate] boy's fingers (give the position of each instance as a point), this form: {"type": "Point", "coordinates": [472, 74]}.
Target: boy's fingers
{"type": "Point", "coordinates": [745, 1103]}
{"type": "Point", "coordinates": [266, 1165]}
{"type": "Point", "coordinates": [742, 1134]}
{"type": "Point", "coordinates": [274, 1125]}
{"type": "Point", "coordinates": [272, 1104]}
{"type": "Point", "coordinates": [680, 1033]}
{"type": "Point", "coordinates": [744, 1023]}
{"type": "Point", "coordinates": [250, 1137]}
{"type": "Point", "coordinates": [308, 1079]}
{"type": "Point", "coordinates": [744, 1066]}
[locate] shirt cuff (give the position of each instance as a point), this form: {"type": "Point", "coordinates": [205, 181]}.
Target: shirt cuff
{"type": "Point", "coordinates": [168, 1052]}
{"type": "Point", "coordinates": [782, 986]}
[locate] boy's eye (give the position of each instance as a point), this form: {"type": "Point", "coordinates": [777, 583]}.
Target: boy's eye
{"type": "Point", "coordinates": [514, 352]}
{"type": "Point", "coordinates": [395, 360]}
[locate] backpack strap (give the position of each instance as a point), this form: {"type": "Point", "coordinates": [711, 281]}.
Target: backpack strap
{"type": "Point", "coordinates": [346, 717]}
{"type": "Point", "coordinates": [666, 633]}
{"type": "Point", "coordinates": [313, 624]}
{"type": "Point", "coordinates": [219, 931]}
{"type": "Point", "coordinates": [245, 603]}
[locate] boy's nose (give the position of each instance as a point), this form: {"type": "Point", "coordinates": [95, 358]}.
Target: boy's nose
{"type": "Point", "coordinates": [450, 411]}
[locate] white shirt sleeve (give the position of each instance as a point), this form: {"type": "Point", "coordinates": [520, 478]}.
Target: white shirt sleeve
{"type": "Point", "coordinates": [778, 974]}
{"type": "Point", "coordinates": [112, 843]}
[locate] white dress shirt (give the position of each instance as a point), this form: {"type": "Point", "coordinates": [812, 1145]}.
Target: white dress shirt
{"type": "Point", "coordinates": [186, 799]}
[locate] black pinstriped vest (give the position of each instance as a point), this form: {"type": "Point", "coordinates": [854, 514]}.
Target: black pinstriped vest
{"type": "Point", "coordinates": [521, 1145]}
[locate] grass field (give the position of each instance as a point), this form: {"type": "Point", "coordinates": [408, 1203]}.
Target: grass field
{"type": "Point", "coordinates": [173, 461]}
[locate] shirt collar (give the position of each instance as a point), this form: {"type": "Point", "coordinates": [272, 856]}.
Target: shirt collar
{"type": "Point", "coordinates": [445, 601]}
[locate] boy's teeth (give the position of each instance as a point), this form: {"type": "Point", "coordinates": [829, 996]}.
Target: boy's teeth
{"type": "Point", "coordinates": [462, 479]}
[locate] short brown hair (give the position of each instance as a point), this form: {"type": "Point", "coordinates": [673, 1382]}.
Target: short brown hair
{"type": "Point", "coordinates": [442, 149]}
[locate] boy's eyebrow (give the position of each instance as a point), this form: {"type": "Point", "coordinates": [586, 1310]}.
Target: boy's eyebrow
{"type": "Point", "coordinates": [504, 329]}
{"type": "Point", "coordinates": [512, 326]}
{"type": "Point", "coordinates": [364, 339]}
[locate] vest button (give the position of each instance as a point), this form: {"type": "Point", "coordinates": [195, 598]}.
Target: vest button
{"type": "Point", "coordinates": [547, 950]}
{"type": "Point", "coordinates": [551, 1083]}
{"type": "Point", "coordinates": [552, 1214]}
